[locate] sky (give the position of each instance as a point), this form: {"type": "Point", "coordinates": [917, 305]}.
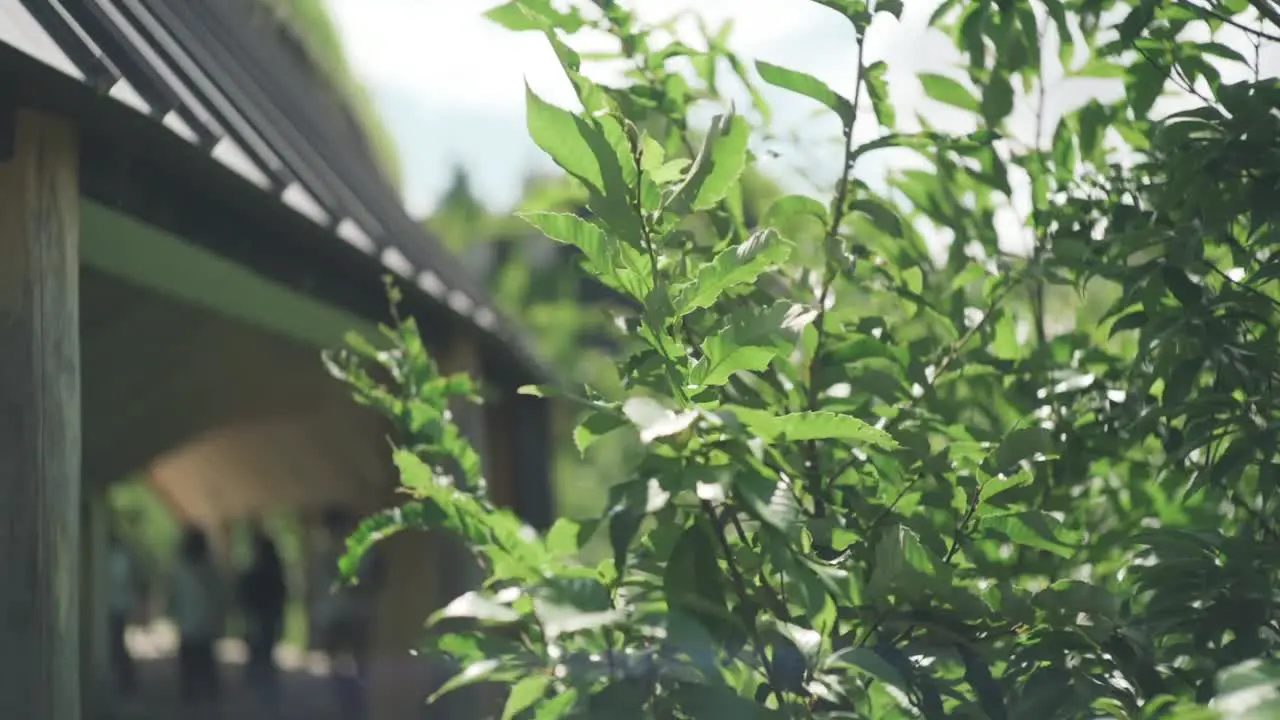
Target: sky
{"type": "Point", "coordinates": [450, 85]}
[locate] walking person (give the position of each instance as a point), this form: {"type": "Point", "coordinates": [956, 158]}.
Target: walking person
{"type": "Point", "coordinates": [197, 608]}
{"type": "Point", "coordinates": [344, 614]}
{"type": "Point", "coordinates": [262, 596]}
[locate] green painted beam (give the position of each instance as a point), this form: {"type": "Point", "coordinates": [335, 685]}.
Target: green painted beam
{"type": "Point", "coordinates": [151, 258]}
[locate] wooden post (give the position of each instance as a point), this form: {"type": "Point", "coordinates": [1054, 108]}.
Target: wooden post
{"type": "Point", "coordinates": [530, 420]}
{"type": "Point", "coordinates": [39, 418]}
{"type": "Point", "coordinates": [96, 678]}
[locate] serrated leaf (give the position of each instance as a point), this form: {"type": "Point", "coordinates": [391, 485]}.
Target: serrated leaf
{"type": "Point", "coordinates": [513, 16]}
{"type": "Point", "coordinates": [809, 86]}
{"type": "Point", "coordinates": [594, 426]}
{"type": "Point", "coordinates": [723, 359]}
{"type": "Point", "coordinates": [596, 152]}
{"type": "Point", "coordinates": [819, 425]}
{"type": "Point", "coordinates": [877, 85]}
{"type": "Point", "coordinates": [749, 343]}
{"type": "Point", "coordinates": [1000, 483]}
{"type": "Point", "coordinates": [718, 166]}
{"type": "Point", "coordinates": [606, 255]}
{"type": "Point", "coordinates": [571, 141]}
{"type": "Point", "coordinates": [520, 15]}
{"type": "Point", "coordinates": [562, 538]}
{"type": "Point", "coordinates": [948, 91]}
{"type": "Point", "coordinates": [732, 267]}
{"type": "Point", "coordinates": [1031, 528]}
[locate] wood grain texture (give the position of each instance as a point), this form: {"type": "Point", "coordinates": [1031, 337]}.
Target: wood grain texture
{"type": "Point", "coordinates": [39, 422]}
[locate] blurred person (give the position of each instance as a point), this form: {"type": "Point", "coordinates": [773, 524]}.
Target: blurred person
{"type": "Point", "coordinates": [343, 614]}
{"type": "Point", "coordinates": [122, 605]}
{"type": "Point", "coordinates": [197, 609]}
{"type": "Point", "coordinates": [262, 596]}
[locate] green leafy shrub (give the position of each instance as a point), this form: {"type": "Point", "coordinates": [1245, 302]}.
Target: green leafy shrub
{"type": "Point", "coordinates": [874, 485]}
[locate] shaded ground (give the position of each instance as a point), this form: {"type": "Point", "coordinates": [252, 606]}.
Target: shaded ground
{"type": "Point", "coordinates": [305, 690]}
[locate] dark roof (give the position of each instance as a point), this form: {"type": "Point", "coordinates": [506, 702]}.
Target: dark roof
{"type": "Point", "coordinates": [229, 79]}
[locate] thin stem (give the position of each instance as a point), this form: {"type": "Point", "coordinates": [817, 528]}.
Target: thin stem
{"type": "Point", "coordinates": [740, 587]}
{"type": "Point", "coordinates": [830, 271]}
{"type": "Point", "coordinates": [952, 354]}
{"type": "Point", "coordinates": [1266, 10]}
{"type": "Point", "coordinates": [1253, 32]}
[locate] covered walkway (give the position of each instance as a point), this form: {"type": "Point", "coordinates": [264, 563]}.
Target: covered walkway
{"type": "Point", "coordinates": [306, 692]}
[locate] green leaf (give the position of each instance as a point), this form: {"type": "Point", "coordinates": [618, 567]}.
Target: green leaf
{"type": "Point", "coordinates": [809, 86]}
{"type": "Point", "coordinates": [597, 153]}
{"type": "Point", "coordinates": [750, 342]}
{"type": "Point", "coordinates": [520, 15]}
{"type": "Point", "coordinates": [604, 253]}
{"type": "Point", "coordinates": [655, 420]}
{"type": "Point", "coordinates": [474, 606]}
{"type": "Point", "coordinates": [867, 661]}
{"type": "Point", "coordinates": [573, 143]}
{"type": "Point", "coordinates": [562, 538]}
{"type": "Point", "coordinates": [997, 100]}
{"type": "Point", "coordinates": [1029, 443]}
{"type": "Point", "coordinates": [513, 16]}
{"type": "Point", "coordinates": [948, 91]}
{"type": "Point", "coordinates": [1143, 84]}
{"type": "Point", "coordinates": [789, 207]}
{"type": "Point", "coordinates": [734, 266]}
{"type": "Point", "coordinates": [820, 425]}
{"type": "Point", "coordinates": [594, 426]}
{"type": "Point", "coordinates": [718, 166]}
{"type": "Point", "coordinates": [902, 566]}
{"type": "Point", "coordinates": [882, 215]}
{"type": "Point", "coordinates": [525, 694]}
{"type": "Point", "coordinates": [878, 89]}
{"type": "Point", "coordinates": [1032, 528]}
{"type": "Point", "coordinates": [724, 358]}
{"type": "Point", "coordinates": [692, 578]}
{"type": "Point", "coordinates": [711, 702]}
{"type": "Point", "coordinates": [978, 675]}
{"type": "Point", "coordinates": [1000, 483]}
{"type": "Point", "coordinates": [892, 7]}
{"type": "Point", "coordinates": [489, 670]}
{"type": "Point", "coordinates": [559, 706]}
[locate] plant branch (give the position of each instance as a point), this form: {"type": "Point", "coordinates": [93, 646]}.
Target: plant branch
{"type": "Point", "coordinates": [1266, 10]}
{"type": "Point", "coordinates": [1254, 32]}
{"type": "Point", "coordinates": [740, 587]}
{"type": "Point", "coordinates": [830, 271]}
{"type": "Point", "coordinates": [952, 354]}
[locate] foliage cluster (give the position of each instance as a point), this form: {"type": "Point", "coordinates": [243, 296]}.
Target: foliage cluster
{"type": "Point", "coordinates": [876, 485]}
